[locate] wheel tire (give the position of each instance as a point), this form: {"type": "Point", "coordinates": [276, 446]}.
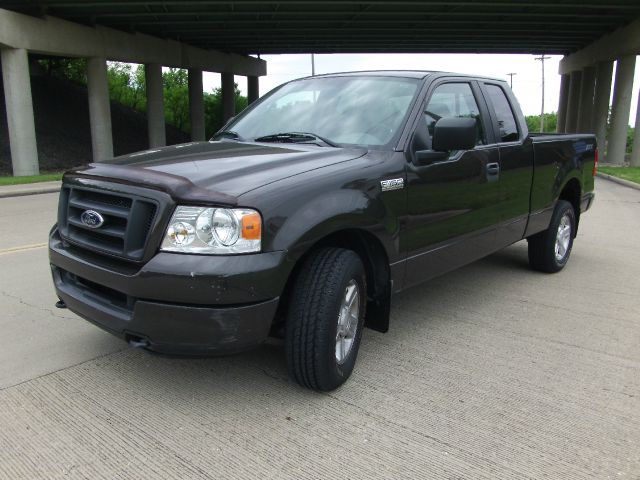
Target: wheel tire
{"type": "Point", "coordinates": [549, 251]}
{"type": "Point", "coordinates": [315, 310]}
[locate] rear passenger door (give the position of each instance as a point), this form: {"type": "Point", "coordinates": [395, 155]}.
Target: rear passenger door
{"type": "Point", "coordinates": [516, 162]}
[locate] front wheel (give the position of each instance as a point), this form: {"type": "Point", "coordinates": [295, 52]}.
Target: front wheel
{"type": "Point", "coordinates": [549, 251]}
{"type": "Point", "coordinates": [325, 319]}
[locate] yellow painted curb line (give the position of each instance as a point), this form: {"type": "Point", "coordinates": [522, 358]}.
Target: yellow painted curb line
{"type": "Point", "coordinates": [8, 251]}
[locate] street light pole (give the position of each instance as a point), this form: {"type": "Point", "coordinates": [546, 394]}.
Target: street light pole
{"type": "Point", "coordinates": [313, 65]}
{"type": "Point", "coordinates": [511, 79]}
{"type": "Point", "coordinates": [542, 58]}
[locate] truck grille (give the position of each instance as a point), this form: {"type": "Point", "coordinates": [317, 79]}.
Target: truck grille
{"type": "Point", "coordinates": [127, 221]}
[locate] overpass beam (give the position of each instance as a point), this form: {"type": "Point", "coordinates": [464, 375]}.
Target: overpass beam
{"type": "Point", "coordinates": [621, 108]}
{"type": "Point", "coordinates": [585, 107]}
{"type": "Point", "coordinates": [253, 89]}
{"type": "Point", "coordinates": [562, 102]}
{"type": "Point", "coordinates": [155, 105]}
{"type": "Point", "coordinates": [196, 105]}
{"type": "Point", "coordinates": [571, 125]}
{"type": "Point", "coordinates": [99, 109]}
{"type": "Point", "coordinates": [601, 104]}
{"type": "Point", "coordinates": [19, 107]}
{"type": "Point", "coordinates": [228, 97]}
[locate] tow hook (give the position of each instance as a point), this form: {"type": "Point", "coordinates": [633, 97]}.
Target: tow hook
{"type": "Point", "coordinates": [61, 304]}
{"type": "Point", "coordinates": [137, 342]}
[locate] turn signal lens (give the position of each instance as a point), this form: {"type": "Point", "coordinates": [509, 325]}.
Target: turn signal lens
{"type": "Point", "coordinates": [252, 226]}
{"type": "Point", "coordinates": [595, 163]}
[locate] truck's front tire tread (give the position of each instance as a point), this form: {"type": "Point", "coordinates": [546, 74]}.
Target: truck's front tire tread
{"type": "Point", "coordinates": [312, 318]}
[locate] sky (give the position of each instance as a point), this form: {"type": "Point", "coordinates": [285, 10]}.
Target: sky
{"type": "Point", "coordinates": [527, 81]}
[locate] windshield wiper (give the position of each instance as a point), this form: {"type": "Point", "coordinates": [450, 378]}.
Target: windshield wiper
{"type": "Point", "coordinates": [230, 134]}
{"type": "Point", "coordinates": [295, 137]}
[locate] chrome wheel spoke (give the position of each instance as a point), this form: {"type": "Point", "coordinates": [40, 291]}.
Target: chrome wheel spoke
{"type": "Point", "coordinates": [348, 319]}
{"type": "Point", "coordinates": [563, 237]}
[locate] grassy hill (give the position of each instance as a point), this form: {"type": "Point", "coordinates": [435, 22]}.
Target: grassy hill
{"type": "Point", "coordinates": [63, 134]}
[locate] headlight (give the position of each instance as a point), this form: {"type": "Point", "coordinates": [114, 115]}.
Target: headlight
{"type": "Point", "coordinates": [213, 230]}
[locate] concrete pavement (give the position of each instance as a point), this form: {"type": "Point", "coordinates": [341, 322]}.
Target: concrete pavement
{"type": "Point", "coordinates": [492, 371]}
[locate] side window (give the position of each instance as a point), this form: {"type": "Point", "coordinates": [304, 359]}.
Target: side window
{"type": "Point", "coordinates": [506, 121]}
{"type": "Point", "coordinates": [453, 100]}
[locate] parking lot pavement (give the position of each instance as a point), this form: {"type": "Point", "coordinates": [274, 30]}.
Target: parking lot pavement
{"type": "Point", "coordinates": [492, 371]}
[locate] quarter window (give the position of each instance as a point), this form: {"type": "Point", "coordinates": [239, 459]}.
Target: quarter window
{"type": "Point", "coordinates": [506, 120]}
{"type": "Point", "coordinates": [453, 100]}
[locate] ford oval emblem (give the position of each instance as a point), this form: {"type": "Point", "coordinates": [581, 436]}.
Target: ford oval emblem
{"type": "Point", "coordinates": [91, 219]}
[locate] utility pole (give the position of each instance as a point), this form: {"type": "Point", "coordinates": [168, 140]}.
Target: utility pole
{"type": "Point", "coordinates": [542, 58]}
{"type": "Point", "coordinates": [313, 65]}
{"type": "Point", "coordinates": [511, 79]}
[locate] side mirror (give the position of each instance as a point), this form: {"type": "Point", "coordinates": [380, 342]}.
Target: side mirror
{"type": "Point", "coordinates": [454, 133]}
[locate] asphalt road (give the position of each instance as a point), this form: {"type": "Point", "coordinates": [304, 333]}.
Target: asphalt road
{"type": "Point", "coordinates": [492, 371]}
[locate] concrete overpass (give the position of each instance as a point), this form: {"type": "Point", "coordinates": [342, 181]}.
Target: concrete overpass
{"type": "Point", "coordinates": [219, 36]}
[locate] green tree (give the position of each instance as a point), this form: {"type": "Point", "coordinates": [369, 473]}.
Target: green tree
{"type": "Point", "coordinates": [550, 122]}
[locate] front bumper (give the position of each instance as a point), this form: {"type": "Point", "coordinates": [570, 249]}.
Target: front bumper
{"type": "Point", "coordinates": [175, 303]}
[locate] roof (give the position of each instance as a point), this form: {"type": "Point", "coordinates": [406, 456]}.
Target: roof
{"type": "Point", "coordinates": [342, 26]}
{"type": "Point", "coordinates": [404, 73]}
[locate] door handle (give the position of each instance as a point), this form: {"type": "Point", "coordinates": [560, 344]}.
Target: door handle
{"type": "Point", "coordinates": [493, 171]}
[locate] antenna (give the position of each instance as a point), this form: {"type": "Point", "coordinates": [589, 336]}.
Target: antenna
{"type": "Point", "coordinates": [542, 58]}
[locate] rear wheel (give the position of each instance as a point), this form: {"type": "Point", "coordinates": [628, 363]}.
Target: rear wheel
{"type": "Point", "coordinates": [549, 251]}
{"type": "Point", "coordinates": [325, 319]}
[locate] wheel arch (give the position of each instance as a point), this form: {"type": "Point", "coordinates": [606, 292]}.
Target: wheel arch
{"type": "Point", "coordinates": [571, 192]}
{"type": "Point", "coordinates": [376, 263]}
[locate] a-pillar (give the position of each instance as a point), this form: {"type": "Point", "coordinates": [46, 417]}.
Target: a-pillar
{"type": "Point", "coordinates": [621, 107]}
{"type": "Point", "coordinates": [196, 105]}
{"type": "Point", "coordinates": [562, 102]}
{"type": "Point", "coordinates": [601, 104]}
{"type": "Point", "coordinates": [228, 97]}
{"type": "Point", "coordinates": [155, 105]}
{"type": "Point", "coordinates": [571, 124]}
{"type": "Point", "coordinates": [635, 152]}
{"type": "Point", "coordinates": [585, 108]}
{"type": "Point", "coordinates": [99, 109]}
{"type": "Point", "coordinates": [253, 89]}
{"type": "Point", "coordinates": [19, 106]}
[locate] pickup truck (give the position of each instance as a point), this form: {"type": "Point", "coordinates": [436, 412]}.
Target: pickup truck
{"type": "Point", "coordinates": [305, 213]}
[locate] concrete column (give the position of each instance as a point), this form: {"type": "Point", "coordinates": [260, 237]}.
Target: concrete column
{"type": "Point", "coordinates": [99, 109]}
{"type": "Point", "coordinates": [571, 124]}
{"type": "Point", "coordinates": [635, 152]}
{"type": "Point", "coordinates": [19, 106]}
{"type": "Point", "coordinates": [585, 108]}
{"type": "Point", "coordinates": [155, 105]}
{"type": "Point", "coordinates": [228, 96]}
{"type": "Point", "coordinates": [196, 105]}
{"type": "Point", "coordinates": [253, 89]}
{"type": "Point", "coordinates": [601, 105]}
{"type": "Point", "coordinates": [562, 102]}
{"type": "Point", "coordinates": [622, 89]}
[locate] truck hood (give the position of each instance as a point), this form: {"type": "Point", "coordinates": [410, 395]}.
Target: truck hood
{"type": "Point", "coordinates": [215, 171]}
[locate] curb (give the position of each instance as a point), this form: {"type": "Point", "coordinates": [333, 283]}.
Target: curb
{"type": "Point", "coordinates": [620, 181]}
{"type": "Point", "coordinates": [25, 192]}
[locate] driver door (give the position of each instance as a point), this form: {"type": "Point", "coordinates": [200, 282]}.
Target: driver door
{"type": "Point", "coordinates": [452, 204]}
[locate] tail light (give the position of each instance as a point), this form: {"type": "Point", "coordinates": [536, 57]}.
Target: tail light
{"type": "Point", "coordinates": [595, 163]}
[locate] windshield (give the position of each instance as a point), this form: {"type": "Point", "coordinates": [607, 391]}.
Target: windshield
{"type": "Point", "coordinates": [333, 110]}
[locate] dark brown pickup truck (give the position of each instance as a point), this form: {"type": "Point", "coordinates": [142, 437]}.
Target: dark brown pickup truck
{"type": "Point", "coordinates": [306, 212]}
